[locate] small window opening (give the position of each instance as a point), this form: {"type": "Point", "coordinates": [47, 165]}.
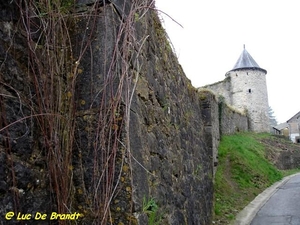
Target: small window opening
{"type": "Point", "coordinates": [249, 90]}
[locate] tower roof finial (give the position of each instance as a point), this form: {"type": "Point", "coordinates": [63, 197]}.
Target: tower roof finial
{"type": "Point", "coordinates": [244, 46]}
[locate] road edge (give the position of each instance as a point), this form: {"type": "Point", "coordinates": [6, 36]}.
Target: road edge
{"type": "Point", "coordinates": [247, 214]}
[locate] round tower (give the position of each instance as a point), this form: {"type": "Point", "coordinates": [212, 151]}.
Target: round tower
{"type": "Point", "coordinates": [249, 91]}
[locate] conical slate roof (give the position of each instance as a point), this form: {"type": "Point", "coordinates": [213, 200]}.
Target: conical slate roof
{"type": "Point", "coordinates": [246, 61]}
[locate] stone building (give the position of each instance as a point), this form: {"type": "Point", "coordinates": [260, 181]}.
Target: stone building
{"type": "Point", "coordinates": [245, 89]}
{"type": "Point", "coordinates": [291, 128]}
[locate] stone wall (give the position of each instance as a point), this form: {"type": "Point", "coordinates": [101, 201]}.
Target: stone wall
{"type": "Point", "coordinates": [171, 162]}
{"type": "Point", "coordinates": [231, 120]}
{"type": "Point", "coordinates": [98, 118]}
{"type": "Point", "coordinates": [249, 93]}
{"type": "Point", "coordinates": [246, 91]}
{"type": "Point", "coordinates": [219, 119]}
{"type": "Point", "coordinates": [288, 160]}
{"type": "Point", "coordinates": [221, 88]}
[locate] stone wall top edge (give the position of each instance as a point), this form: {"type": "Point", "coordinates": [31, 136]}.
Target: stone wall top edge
{"type": "Point", "coordinates": [206, 91]}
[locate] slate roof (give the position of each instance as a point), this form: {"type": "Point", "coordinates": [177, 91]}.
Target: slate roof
{"type": "Point", "coordinates": [281, 126]}
{"type": "Point", "coordinates": [294, 118]}
{"type": "Point", "coordinates": [246, 61]}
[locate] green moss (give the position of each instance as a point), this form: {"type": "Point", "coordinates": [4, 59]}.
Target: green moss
{"type": "Point", "coordinates": [198, 171]}
{"type": "Point", "coordinates": [136, 17]}
{"type": "Point", "coordinates": [204, 92]}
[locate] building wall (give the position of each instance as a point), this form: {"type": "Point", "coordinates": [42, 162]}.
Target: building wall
{"type": "Point", "coordinates": [294, 127]}
{"type": "Point", "coordinates": [294, 130]}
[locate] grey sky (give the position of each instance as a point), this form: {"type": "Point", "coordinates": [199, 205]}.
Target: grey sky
{"type": "Point", "coordinates": [212, 37]}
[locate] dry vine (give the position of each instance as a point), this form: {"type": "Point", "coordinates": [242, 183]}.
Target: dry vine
{"type": "Point", "coordinates": [53, 71]}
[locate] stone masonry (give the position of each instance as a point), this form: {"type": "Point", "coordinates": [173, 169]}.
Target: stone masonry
{"type": "Point", "coordinates": [97, 118]}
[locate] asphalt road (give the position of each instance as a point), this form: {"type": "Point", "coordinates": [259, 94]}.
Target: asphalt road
{"type": "Point", "coordinates": [283, 207]}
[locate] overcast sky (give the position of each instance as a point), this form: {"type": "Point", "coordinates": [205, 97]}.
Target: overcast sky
{"type": "Point", "coordinates": [212, 35]}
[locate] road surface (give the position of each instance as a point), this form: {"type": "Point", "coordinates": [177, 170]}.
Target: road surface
{"type": "Point", "coordinates": [283, 207]}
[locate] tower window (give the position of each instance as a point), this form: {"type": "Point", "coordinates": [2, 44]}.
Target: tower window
{"type": "Point", "coordinates": [249, 90]}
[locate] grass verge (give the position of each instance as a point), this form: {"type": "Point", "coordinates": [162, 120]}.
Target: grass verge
{"type": "Point", "coordinates": [243, 172]}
